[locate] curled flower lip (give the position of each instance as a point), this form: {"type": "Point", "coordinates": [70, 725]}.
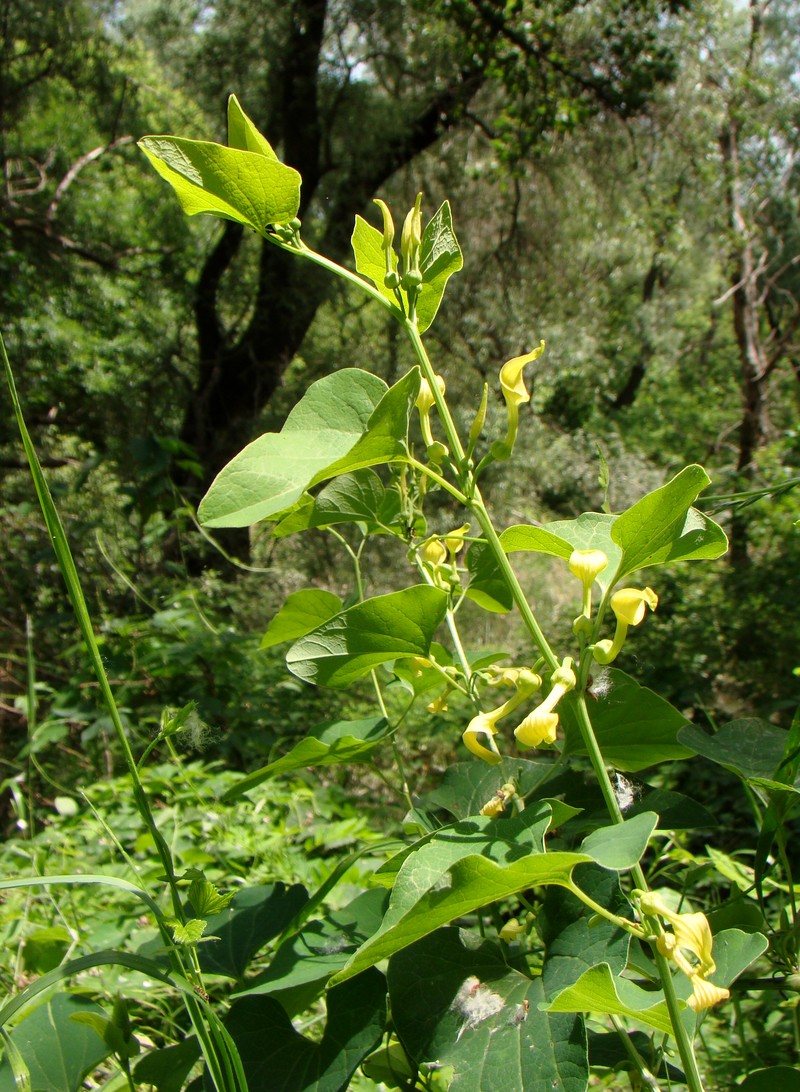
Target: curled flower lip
{"type": "Point", "coordinates": [511, 382]}
{"type": "Point", "coordinates": [479, 738]}
{"type": "Point", "coordinates": [629, 604]}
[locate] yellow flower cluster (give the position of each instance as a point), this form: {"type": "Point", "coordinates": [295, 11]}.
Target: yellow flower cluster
{"type": "Point", "coordinates": [690, 934]}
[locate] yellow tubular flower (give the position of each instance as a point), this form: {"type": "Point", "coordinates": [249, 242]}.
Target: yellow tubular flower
{"type": "Point", "coordinates": [537, 728]}
{"type": "Point", "coordinates": [705, 994]}
{"type": "Point", "coordinates": [479, 738]}
{"type": "Point", "coordinates": [693, 932]}
{"type": "Point", "coordinates": [433, 553]}
{"type": "Point", "coordinates": [482, 726]}
{"type": "Point", "coordinates": [454, 541]}
{"type": "Point", "coordinates": [515, 393]}
{"type": "Point", "coordinates": [541, 724]}
{"type": "Point", "coordinates": [630, 606]}
{"type": "Point", "coordinates": [587, 566]}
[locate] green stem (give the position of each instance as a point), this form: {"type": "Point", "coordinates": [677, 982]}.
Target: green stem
{"type": "Point", "coordinates": [443, 483]}
{"type": "Point", "coordinates": [621, 923]}
{"type": "Point", "coordinates": [693, 1080]}
{"type": "Point", "coordinates": [646, 1077]}
{"type": "Point", "coordinates": [476, 504]}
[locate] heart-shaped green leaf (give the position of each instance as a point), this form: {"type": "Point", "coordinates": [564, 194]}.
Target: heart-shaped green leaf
{"type": "Point", "coordinates": [246, 186]}
{"type": "Point", "coordinates": [370, 633]}
{"type": "Point", "coordinates": [634, 726]}
{"type": "Point", "coordinates": [272, 472]}
{"type": "Point", "coordinates": [302, 612]}
{"type": "Point", "coordinates": [482, 1018]}
{"type": "Point", "coordinates": [662, 527]}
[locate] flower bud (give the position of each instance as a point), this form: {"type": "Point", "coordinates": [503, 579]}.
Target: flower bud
{"type": "Point", "coordinates": [433, 553]}
{"type": "Point", "coordinates": [411, 237]}
{"type": "Point", "coordinates": [388, 224]}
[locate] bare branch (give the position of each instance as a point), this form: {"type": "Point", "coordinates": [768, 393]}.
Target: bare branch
{"type": "Point", "coordinates": [76, 168]}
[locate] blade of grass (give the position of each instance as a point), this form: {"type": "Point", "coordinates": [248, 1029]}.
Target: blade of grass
{"type": "Point", "coordinates": [66, 564]}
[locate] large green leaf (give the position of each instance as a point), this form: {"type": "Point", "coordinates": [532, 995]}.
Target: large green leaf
{"type": "Point", "coordinates": [386, 436]}
{"type": "Point", "coordinates": [246, 186]}
{"type": "Point", "coordinates": [370, 633]}
{"type": "Point", "coordinates": [463, 1007]}
{"type": "Point", "coordinates": [302, 612]}
{"type": "Point", "coordinates": [422, 903]}
{"type": "Point", "coordinates": [254, 916]}
{"type": "Point", "coordinates": [440, 257]}
{"type": "Point", "coordinates": [278, 1058]}
{"type": "Point", "coordinates": [634, 726]}
{"type": "Point", "coordinates": [662, 527]}
{"type": "Point", "coordinates": [329, 744]}
{"type": "Point", "coordinates": [749, 747]}
{"type": "Point", "coordinates": [304, 962]}
{"type": "Point", "coordinates": [272, 472]}
{"type": "Point", "coordinates": [58, 1051]}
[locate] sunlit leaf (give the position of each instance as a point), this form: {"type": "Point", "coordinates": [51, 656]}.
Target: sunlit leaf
{"type": "Point", "coordinates": [246, 186]}
{"type": "Point", "coordinates": [302, 612]}
{"type": "Point", "coordinates": [368, 634]}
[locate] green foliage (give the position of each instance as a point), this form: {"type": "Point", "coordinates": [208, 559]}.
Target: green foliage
{"type": "Point", "coordinates": [527, 902]}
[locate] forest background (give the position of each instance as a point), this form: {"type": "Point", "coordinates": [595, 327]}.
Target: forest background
{"type": "Point", "coordinates": [626, 186]}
